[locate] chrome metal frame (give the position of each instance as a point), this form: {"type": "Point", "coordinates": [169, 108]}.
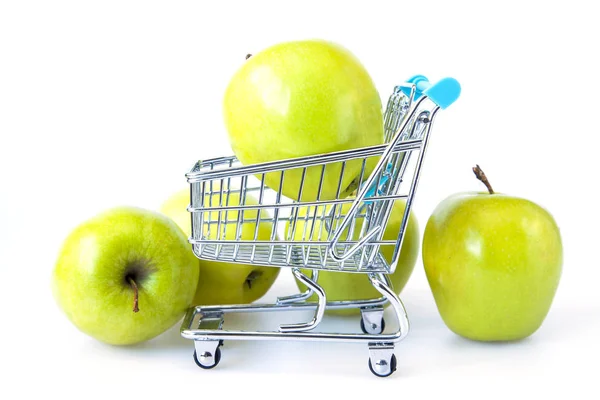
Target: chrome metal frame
{"type": "Point", "coordinates": [221, 190]}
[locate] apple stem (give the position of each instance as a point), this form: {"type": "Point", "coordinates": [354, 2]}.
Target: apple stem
{"type": "Point", "coordinates": [248, 56]}
{"type": "Point", "coordinates": [135, 294]}
{"type": "Point", "coordinates": [481, 176]}
{"type": "Point", "coordinates": [252, 277]}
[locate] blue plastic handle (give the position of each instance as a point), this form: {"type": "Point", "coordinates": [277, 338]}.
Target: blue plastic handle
{"type": "Point", "coordinates": [421, 84]}
{"type": "Point", "coordinates": [443, 93]}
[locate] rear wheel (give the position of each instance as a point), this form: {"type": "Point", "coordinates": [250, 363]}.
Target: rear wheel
{"type": "Point", "coordinates": [374, 329]}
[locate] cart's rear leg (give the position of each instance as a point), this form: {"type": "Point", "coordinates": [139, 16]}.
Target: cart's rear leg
{"type": "Point", "coordinates": [372, 321]}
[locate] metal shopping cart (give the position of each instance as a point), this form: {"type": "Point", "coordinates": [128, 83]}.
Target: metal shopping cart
{"type": "Point", "coordinates": [230, 205]}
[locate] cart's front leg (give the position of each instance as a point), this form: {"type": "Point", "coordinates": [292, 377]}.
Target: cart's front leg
{"type": "Point", "coordinates": [382, 360]}
{"type": "Point", "coordinates": [207, 353]}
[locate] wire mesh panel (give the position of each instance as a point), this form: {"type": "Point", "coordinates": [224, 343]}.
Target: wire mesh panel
{"type": "Point", "coordinates": [311, 217]}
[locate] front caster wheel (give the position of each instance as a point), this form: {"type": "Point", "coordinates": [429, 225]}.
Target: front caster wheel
{"type": "Point", "coordinates": [208, 360]}
{"type": "Point", "coordinates": [382, 368]}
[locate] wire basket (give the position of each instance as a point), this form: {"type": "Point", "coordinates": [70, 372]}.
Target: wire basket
{"type": "Point", "coordinates": [237, 218]}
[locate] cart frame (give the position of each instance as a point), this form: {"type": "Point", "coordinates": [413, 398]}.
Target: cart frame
{"type": "Point", "coordinates": [346, 241]}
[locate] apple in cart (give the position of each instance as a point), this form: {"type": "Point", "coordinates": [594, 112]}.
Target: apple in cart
{"type": "Point", "coordinates": [353, 286]}
{"type": "Point", "coordinates": [493, 262]}
{"type": "Point", "coordinates": [125, 275]}
{"type": "Point", "coordinates": [304, 98]}
{"type": "Point", "coordinates": [225, 282]}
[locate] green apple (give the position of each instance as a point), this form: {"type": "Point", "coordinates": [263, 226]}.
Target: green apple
{"type": "Point", "coordinates": [493, 262]}
{"type": "Point", "coordinates": [125, 275]}
{"type": "Point", "coordinates": [303, 98]}
{"type": "Point", "coordinates": [224, 282]}
{"type": "Point", "coordinates": [352, 286]}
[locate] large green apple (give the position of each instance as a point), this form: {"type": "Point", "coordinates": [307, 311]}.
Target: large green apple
{"type": "Point", "coordinates": [303, 98]}
{"type": "Point", "coordinates": [223, 282]}
{"type": "Point", "coordinates": [493, 262]}
{"type": "Point", "coordinates": [125, 275]}
{"type": "Point", "coordinates": [352, 286]}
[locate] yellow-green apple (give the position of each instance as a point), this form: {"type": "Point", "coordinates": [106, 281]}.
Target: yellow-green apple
{"type": "Point", "coordinates": [352, 286]}
{"type": "Point", "coordinates": [493, 262]}
{"type": "Point", "coordinates": [125, 275]}
{"type": "Point", "coordinates": [224, 282]}
{"type": "Point", "coordinates": [303, 98]}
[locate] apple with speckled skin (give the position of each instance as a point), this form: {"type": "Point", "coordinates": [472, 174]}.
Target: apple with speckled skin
{"type": "Point", "coordinates": [303, 98]}
{"type": "Point", "coordinates": [493, 262]}
{"type": "Point", "coordinates": [223, 282]}
{"type": "Point", "coordinates": [125, 276]}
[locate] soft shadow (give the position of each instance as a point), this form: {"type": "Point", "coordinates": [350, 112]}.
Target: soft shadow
{"type": "Point", "coordinates": [569, 322]}
{"type": "Point", "coordinates": [463, 343]}
{"type": "Point", "coordinates": [169, 340]}
{"type": "Point", "coordinates": [422, 312]}
{"type": "Point", "coordinates": [348, 360]}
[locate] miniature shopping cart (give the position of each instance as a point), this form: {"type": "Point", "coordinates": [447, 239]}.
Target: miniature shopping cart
{"type": "Point", "coordinates": [230, 206]}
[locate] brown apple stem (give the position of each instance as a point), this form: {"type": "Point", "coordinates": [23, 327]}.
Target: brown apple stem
{"type": "Point", "coordinates": [135, 294]}
{"type": "Point", "coordinates": [248, 56]}
{"type": "Point", "coordinates": [252, 277]}
{"type": "Point", "coordinates": [481, 176]}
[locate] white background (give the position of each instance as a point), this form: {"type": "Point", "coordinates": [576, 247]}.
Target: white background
{"type": "Point", "coordinates": [109, 103]}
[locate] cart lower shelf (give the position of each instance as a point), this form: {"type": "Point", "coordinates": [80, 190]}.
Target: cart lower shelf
{"type": "Point", "coordinates": [203, 325]}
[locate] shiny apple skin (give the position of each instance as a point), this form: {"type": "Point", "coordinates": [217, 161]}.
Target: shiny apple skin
{"type": "Point", "coordinates": [89, 280]}
{"type": "Point", "coordinates": [223, 283]}
{"type": "Point", "coordinates": [493, 263]}
{"type": "Point", "coordinates": [303, 98]}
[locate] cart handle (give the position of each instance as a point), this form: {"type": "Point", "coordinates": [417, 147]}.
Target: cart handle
{"type": "Point", "coordinates": [443, 94]}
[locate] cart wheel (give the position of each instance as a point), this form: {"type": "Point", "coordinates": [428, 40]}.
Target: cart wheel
{"type": "Point", "coordinates": [364, 329]}
{"type": "Point", "coordinates": [387, 372]}
{"type": "Point", "coordinates": [217, 358]}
